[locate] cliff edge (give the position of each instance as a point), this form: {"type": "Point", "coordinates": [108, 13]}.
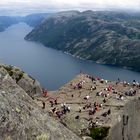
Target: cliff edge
{"type": "Point", "coordinates": [97, 108]}
{"type": "Point", "coordinates": [20, 117]}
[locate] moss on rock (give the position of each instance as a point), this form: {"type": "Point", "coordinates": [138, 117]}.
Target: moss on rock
{"type": "Point", "coordinates": [99, 133]}
{"type": "Point", "coordinates": [19, 77]}
{"type": "Point", "coordinates": [43, 137]}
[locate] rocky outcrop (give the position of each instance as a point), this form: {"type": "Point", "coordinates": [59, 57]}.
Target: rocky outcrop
{"type": "Point", "coordinates": [105, 37]}
{"type": "Point", "coordinates": [108, 114]}
{"type": "Point", "coordinates": [20, 117]}
{"type": "Point", "coordinates": [127, 126]}
{"type": "Point", "coordinates": [25, 81]}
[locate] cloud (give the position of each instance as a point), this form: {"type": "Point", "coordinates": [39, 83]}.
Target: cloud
{"type": "Point", "coordinates": [28, 6]}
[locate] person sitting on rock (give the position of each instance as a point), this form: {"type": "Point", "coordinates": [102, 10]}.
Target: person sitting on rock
{"type": "Point", "coordinates": [95, 104]}
{"type": "Point", "coordinates": [98, 79]}
{"type": "Point", "coordinates": [121, 97]}
{"type": "Point", "coordinates": [58, 114]}
{"type": "Point", "coordinates": [92, 111]}
{"type": "Point", "coordinates": [92, 79]}
{"type": "Point", "coordinates": [54, 109]}
{"type": "Point", "coordinates": [43, 103]}
{"type": "Point", "coordinates": [104, 114]}
{"type": "Point", "coordinates": [108, 112]}
{"type": "Point", "coordinates": [93, 88]}
{"type": "Point", "coordinates": [102, 81]}
{"type": "Point", "coordinates": [80, 109]}
{"type": "Point", "coordinates": [101, 105]}
{"type": "Point", "coordinates": [134, 82]}
{"type": "Point", "coordinates": [55, 102]}
{"type": "Point", "coordinates": [77, 117]}
{"type": "Point", "coordinates": [52, 103]}
{"type": "Point", "coordinates": [68, 108]}
{"type": "Point", "coordinates": [79, 85]}
{"type": "Point", "coordinates": [97, 108]}
{"type": "Point", "coordinates": [45, 93]}
{"type": "Point", "coordinates": [137, 84]}
{"type": "Point", "coordinates": [89, 105]}
{"type": "Point", "coordinates": [124, 83]}
{"type": "Point", "coordinates": [104, 100]}
{"type": "Point", "coordinates": [109, 88]}
{"type": "Point", "coordinates": [87, 97]}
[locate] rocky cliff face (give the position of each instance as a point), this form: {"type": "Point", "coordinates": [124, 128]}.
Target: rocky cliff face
{"type": "Point", "coordinates": [20, 117]}
{"type": "Point", "coordinates": [106, 37]}
{"type": "Point", "coordinates": [127, 128]}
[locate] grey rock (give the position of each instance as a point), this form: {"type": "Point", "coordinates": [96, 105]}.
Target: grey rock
{"type": "Point", "coordinates": [22, 119]}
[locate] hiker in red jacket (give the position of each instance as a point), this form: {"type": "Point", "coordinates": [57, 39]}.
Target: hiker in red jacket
{"type": "Point", "coordinates": [45, 93]}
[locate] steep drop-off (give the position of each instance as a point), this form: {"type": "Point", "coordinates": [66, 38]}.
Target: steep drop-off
{"type": "Point", "coordinates": [20, 117]}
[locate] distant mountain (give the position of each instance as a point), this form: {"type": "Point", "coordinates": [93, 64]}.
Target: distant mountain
{"type": "Point", "coordinates": [35, 19]}
{"type": "Point", "coordinates": [6, 21]}
{"type": "Point", "coordinates": [32, 20]}
{"type": "Point", "coordinates": [105, 37]}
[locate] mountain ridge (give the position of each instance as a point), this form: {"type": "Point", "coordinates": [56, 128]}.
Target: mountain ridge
{"type": "Point", "coordinates": [31, 19]}
{"type": "Point", "coordinates": [96, 36]}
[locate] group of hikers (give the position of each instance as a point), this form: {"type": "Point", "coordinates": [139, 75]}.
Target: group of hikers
{"type": "Point", "coordinates": [59, 108]}
{"type": "Point", "coordinates": [59, 112]}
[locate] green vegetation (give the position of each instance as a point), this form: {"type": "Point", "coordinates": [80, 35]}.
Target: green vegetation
{"type": "Point", "coordinates": [19, 77]}
{"type": "Point", "coordinates": [106, 37]}
{"type": "Point", "coordinates": [9, 70]}
{"type": "Point", "coordinates": [35, 19]}
{"type": "Point", "coordinates": [14, 72]}
{"type": "Point", "coordinates": [99, 133]}
{"type": "Point", "coordinates": [43, 137]}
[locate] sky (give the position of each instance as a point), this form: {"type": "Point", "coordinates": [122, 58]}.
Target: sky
{"type": "Point", "coordinates": [18, 7]}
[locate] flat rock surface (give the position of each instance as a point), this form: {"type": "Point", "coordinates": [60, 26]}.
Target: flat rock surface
{"type": "Point", "coordinates": [73, 97]}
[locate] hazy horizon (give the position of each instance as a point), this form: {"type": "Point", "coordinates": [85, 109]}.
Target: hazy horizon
{"type": "Point", "coordinates": [24, 7]}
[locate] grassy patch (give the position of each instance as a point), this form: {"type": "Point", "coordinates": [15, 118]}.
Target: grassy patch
{"type": "Point", "coordinates": [19, 77]}
{"type": "Point", "coordinates": [43, 137]}
{"type": "Point", "coordinates": [99, 133]}
{"type": "Point", "coordinates": [9, 70]}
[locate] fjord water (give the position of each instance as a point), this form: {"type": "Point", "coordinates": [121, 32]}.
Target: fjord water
{"type": "Point", "coordinates": [51, 67]}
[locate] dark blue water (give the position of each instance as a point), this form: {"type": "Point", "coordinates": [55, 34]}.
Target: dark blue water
{"type": "Point", "coordinates": [51, 67]}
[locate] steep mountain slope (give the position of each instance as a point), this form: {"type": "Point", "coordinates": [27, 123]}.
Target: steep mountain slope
{"type": "Point", "coordinates": [35, 19]}
{"type": "Point", "coordinates": [20, 117]}
{"type": "Point", "coordinates": [106, 37]}
{"type": "Point", "coordinates": [32, 20]}
{"type": "Point", "coordinates": [6, 21]}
